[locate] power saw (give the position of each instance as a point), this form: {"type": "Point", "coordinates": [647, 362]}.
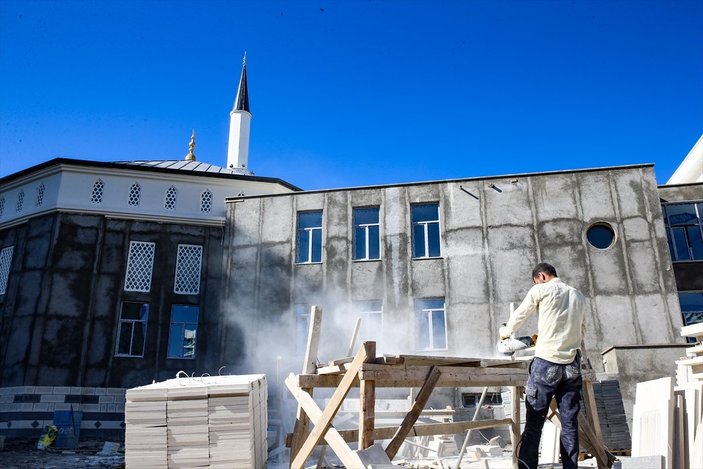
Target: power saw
{"type": "Point", "coordinates": [510, 345]}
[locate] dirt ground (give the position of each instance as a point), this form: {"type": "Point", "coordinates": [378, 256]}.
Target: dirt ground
{"type": "Point", "coordinates": [25, 455]}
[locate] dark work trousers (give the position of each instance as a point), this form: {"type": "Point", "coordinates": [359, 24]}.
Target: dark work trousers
{"type": "Point", "coordinates": [547, 380]}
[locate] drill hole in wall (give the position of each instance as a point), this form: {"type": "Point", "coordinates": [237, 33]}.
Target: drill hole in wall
{"type": "Point", "coordinates": [600, 235]}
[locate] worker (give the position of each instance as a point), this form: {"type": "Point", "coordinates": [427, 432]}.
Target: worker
{"type": "Point", "coordinates": [556, 369]}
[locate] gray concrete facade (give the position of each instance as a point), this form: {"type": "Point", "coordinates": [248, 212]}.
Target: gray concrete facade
{"type": "Point", "coordinates": [493, 231]}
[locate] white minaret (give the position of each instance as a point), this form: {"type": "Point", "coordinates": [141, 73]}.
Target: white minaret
{"type": "Point", "coordinates": [239, 124]}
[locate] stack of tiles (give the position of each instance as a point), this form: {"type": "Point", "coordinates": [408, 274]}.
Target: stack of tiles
{"type": "Point", "coordinates": [145, 438]}
{"type": "Point", "coordinates": [214, 421]}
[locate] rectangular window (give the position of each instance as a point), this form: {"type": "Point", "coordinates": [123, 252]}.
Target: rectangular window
{"type": "Point", "coordinates": [140, 265]}
{"type": "Point", "coordinates": [471, 399]}
{"type": "Point", "coordinates": [131, 331]}
{"type": "Point", "coordinates": [5, 265]}
{"type": "Point", "coordinates": [188, 264]}
{"type": "Point", "coordinates": [301, 313]}
{"type": "Point", "coordinates": [367, 243]}
{"type": "Point", "coordinates": [425, 230]}
{"type": "Point", "coordinates": [371, 313]}
{"type": "Point", "coordinates": [684, 223]}
{"type": "Point", "coordinates": [309, 237]}
{"type": "Point", "coordinates": [183, 331]}
{"type": "Point", "coordinates": [430, 324]}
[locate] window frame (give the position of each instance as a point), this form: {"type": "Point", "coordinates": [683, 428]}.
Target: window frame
{"type": "Point", "coordinates": [178, 266]}
{"type": "Point", "coordinates": [183, 329]}
{"type": "Point", "coordinates": [364, 309]}
{"type": "Point", "coordinates": [429, 312]}
{"type": "Point", "coordinates": [671, 229]}
{"type": "Point", "coordinates": [129, 263]}
{"type": "Point", "coordinates": [122, 321]}
{"type": "Point", "coordinates": [367, 234]}
{"type": "Point", "coordinates": [7, 269]}
{"type": "Point", "coordinates": [426, 232]}
{"type": "Point", "coordinates": [301, 323]}
{"type": "Point", "coordinates": [311, 230]}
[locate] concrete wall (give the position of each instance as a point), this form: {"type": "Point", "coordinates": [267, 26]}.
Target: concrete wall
{"type": "Point", "coordinates": [493, 231]}
{"type": "Point", "coordinates": [62, 306]}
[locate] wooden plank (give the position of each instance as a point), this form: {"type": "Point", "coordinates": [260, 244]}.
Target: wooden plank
{"type": "Point", "coordinates": [694, 330]}
{"type": "Point", "coordinates": [354, 336]}
{"type": "Point", "coordinates": [591, 408]}
{"type": "Point", "coordinates": [414, 376]}
{"type": "Point", "coordinates": [332, 436]}
{"type": "Point", "coordinates": [367, 405]}
{"type": "Point", "coordinates": [300, 429]}
{"type": "Point", "coordinates": [515, 393]}
{"type": "Point", "coordinates": [411, 417]}
{"type": "Point", "coordinates": [333, 405]}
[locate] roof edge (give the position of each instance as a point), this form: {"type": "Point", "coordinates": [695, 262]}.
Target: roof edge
{"type": "Point", "coordinates": [453, 180]}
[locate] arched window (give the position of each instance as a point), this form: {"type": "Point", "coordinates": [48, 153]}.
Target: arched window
{"type": "Point", "coordinates": [96, 196]}
{"type": "Point", "coordinates": [20, 201]}
{"type": "Point", "coordinates": [170, 201]}
{"type": "Point", "coordinates": [135, 193]}
{"type": "Point", "coordinates": [40, 194]}
{"type": "Point", "coordinates": [206, 201]}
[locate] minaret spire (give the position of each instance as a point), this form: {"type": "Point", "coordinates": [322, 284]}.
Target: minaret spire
{"type": "Point", "coordinates": [191, 148]}
{"type": "Point", "coordinates": [239, 125]}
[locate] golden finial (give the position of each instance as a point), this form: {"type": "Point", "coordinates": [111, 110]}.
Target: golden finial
{"type": "Point", "coordinates": [191, 146]}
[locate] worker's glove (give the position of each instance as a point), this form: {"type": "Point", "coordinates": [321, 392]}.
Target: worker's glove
{"type": "Point", "coordinates": [504, 333]}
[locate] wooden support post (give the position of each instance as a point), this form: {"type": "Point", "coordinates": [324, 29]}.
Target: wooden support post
{"type": "Point", "coordinates": [309, 366]}
{"type": "Point", "coordinates": [515, 392]}
{"type": "Point", "coordinates": [332, 437]}
{"type": "Point", "coordinates": [412, 416]}
{"type": "Point", "coordinates": [354, 335]}
{"type": "Point", "coordinates": [335, 402]}
{"type": "Point", "coordinates": [367, 403]}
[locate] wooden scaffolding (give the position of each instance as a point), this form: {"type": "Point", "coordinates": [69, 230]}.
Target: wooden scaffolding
{"type": "Point", "coordinates": [369, 372]}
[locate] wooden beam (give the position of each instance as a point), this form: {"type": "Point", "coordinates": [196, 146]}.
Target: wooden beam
{"type": "Point", "coordinates": [335, 402]}
{"type": "Point", "coordinates": [332, 437]}
{"type": "Point", "coordinates": [411, 417]}
{"type": "Point", "coordinates": [515, 393]}
{"type": "Point", "coordinates": [309, 364]}
{"type": "Point", "coordinates": [367, 403]}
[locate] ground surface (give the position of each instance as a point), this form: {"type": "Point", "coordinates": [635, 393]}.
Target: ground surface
{"type": "Point", "coordinates": [27, 456]}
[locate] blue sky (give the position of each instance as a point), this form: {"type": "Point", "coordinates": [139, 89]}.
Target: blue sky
{"type": "Point", "coordinates": [351, 93]}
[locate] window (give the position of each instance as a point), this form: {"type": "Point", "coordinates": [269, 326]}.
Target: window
{"type": "Point", "coordinates": [5, 265]}
{"type": "Point", "coordinates": [371, 312]}
{"type": "Point", "coordinates": [366, 234]}
{"type": "Point", "coordinates": [2, 205]}
{"type": "Point", "coordinates": [183, 331]}
{"type": "Point", "coordinates": [135, 193]}
{"type": "Point", "coordinates": [309, 237]}
{"type": "Point", "coordinates": [131, 332]}
{"type": "Point", "coordinates": [188, 263]}
{"type": "Point", "coordinates": [600, 235]}
{"type": "Point", "coordinates": [691, 307]}
{"type": "Point", "coordinates": [170, 200]}
{"type": "Point", "coordinates": [301, 313]}
{"type": "Point", "coordinates": [425, 221]}
{"type": "Point", "coordinates": [206, 201]}
{"type": "Point", "coordinates": [97, 196]}
{"type": "Point", "coordinates": [20, 201]}
{"type": "Point", "coordinates": [430, 325]}
{"type": "Point", "coordinates": [683, 226]}
{"type": "Point", "coordinates": [140, 265]}
{"type": "Point", "coordinates": [40, 194]}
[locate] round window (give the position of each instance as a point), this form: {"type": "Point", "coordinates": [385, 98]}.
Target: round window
{"type": "Point", "coordinates": [601, 236]}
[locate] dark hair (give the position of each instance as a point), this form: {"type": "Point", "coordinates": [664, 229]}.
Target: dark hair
{"type": "Point", "coordinates": [544, 268]}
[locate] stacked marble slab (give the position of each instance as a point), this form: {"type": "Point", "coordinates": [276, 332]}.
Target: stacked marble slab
{"type": "Point", "coordinates": [214, 421]}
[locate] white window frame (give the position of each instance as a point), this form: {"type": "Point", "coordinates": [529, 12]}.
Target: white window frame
{"type": "Point", "coordinates": [426, 232]}
{"type": "Point", "coordinates": [310, 232]}
{"type": "Point", "coordinates": [6, 255]}
{"type": "Point", "coordinates": [131, 322]}
{"type": "Point", "coordinates": [179, 265]}
{"type": "Point", "coordinates": [428, 312]}
{"type": "Point", "coordinates": [367, 235]}
{"type": "Point", "coordinates": [363, 309]}
{"type": "Point", "coordinates": [131, 264]}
